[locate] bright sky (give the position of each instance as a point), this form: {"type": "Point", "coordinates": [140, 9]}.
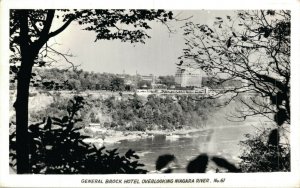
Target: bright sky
{"type": "Point", "coordinates": [158, 56]}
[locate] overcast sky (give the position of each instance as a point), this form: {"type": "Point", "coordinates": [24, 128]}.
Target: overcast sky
{"type": "Point", "coordinates": [158, 56]}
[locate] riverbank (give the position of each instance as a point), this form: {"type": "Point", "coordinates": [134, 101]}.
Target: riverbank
{"type": "Point", "coordinates": [101, 136]}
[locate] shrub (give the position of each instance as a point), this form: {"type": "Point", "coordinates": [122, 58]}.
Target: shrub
{"type": "Point", "coordinates": [56, 146]}
{"type": "Point", "coordinates": [167, 163]}
{"type": "Point", "coordinates": [261, 155]}
{"type": "Point", "coordinates": [140, 126]}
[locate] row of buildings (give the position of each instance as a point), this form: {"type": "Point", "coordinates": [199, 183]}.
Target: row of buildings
{"type": "Point", "coordinates": [184, 77]}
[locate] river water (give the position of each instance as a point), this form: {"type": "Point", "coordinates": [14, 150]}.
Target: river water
{"type": "Point", "coordinates": [220, 141]}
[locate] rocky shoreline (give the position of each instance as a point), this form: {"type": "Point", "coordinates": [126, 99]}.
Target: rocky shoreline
{"type": "Point", "coordinates": [101, 136]}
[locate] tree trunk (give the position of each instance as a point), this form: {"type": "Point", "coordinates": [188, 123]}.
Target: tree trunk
{"type": "Point", "coordinates": [21, 107]}
{"type": "Point", "coordinates": [29, 51]}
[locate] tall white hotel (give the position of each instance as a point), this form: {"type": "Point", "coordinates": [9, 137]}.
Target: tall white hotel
{"type": "Point", "coordinates": [189, 77]}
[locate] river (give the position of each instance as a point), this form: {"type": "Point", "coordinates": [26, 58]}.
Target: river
{"type": "Point", "coordinates": [222, 141]}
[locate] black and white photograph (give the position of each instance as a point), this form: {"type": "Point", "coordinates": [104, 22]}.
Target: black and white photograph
{"type": "Point", "coordinates": [164, 93]}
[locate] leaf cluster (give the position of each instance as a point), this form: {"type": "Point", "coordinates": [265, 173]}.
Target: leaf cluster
{"type": "Point", "coordinates": [167, 164]}
{"type": "Point", "coordinates": [265, 153]}
{"type": "Point", "coordinates": [57, 147]}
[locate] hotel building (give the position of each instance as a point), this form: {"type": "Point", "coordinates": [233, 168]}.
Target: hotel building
{"type": "Point", "coordinates": [189, 77]}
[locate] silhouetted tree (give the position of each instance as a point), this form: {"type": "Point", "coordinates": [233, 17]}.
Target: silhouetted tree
{"type": "Point", "coordinates": [30, 31]}
{"type": "Point", "coordinates": [254, 48]}
{"type": "Point", "coordinates": [251, 46]}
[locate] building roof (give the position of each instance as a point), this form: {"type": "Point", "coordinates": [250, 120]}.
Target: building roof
{"type": "Point", "coordinates": [189, 71]}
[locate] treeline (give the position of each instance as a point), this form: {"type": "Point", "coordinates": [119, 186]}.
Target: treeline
{"type": "Point", "coordinates": [59, 79]}
{"type": "Point", "coordinates": [79, 80]}
{"type": "Point", "coordinates": [158, 112]}
{"type": "Point", "coordinates": [133, 112]}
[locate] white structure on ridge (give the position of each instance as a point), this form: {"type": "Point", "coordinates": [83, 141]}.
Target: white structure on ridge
{"type": "Point", "coordinates": [189, 77]}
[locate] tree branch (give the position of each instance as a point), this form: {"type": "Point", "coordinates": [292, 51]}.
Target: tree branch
{"type": "Point", "coordinates": [62, 28]}
{"type": "Point", "coordinates": [35, 27]}
{"type": "Point", "coordinates": [47, 24]}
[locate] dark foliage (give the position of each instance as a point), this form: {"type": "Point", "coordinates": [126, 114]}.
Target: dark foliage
{"type": "Point", "coordinates": [281, 117]}
{"type": "Point", "coordinates": [57, 147]}
{"type": "Point", "coordinates": [264, 153]}
{"type": "Point", "coordinates": [198, 165]}
{"type": "Point", "coordinates": [274, 138]}
{"type": "Point", "coordinates": [225, 164]}
{"type": "Point", "coordinates": [163, 161]}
